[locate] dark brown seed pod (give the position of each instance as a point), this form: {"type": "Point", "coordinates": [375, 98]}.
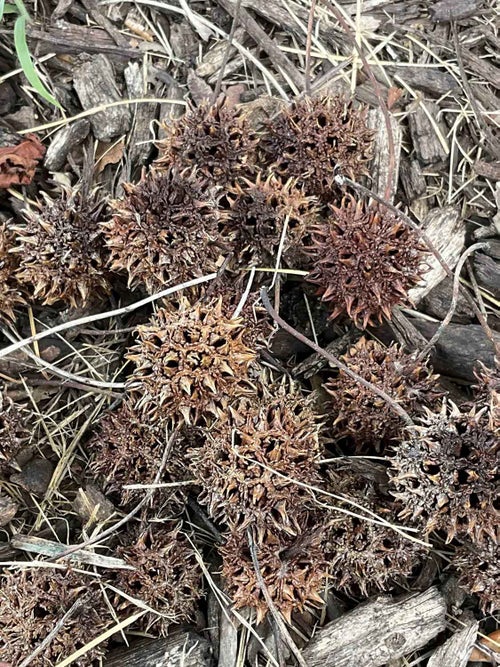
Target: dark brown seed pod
{"type": "Point", "coordinates": [216, 139]}
{"type": "Point", "coordinates": [365, 418]}
{"type": "Point", "coordinates": [268, 216]}
{"type": "Point", "coordinates": [250, 465]}
{"type": "Point", "coordinates": [164, 231]}
{"type": "Point", "coordinates": [14, 434]}
{"type": "Point", "coordinates": [34, 600]}
{"type": "Point", "coordinates": [478, 568]}
{"type": "Point", "coordinates": [445, 474]}
{"type": "Point", "coordinates": [188, 362]}
{"type": "Point", "coordinates": [10, 294]}
{"type": "Point", "coordinates": [365, 260]}
{"type": "Point", "coordinates": [293, 569]}
{"type": "Point", "coordinates": [126, 449]}
{"type": "Point", "coordinates": [314, 139]}
{"type": "Point", "coordinates": [166, 577]}
{"type": "Point", "coordinates": [366, 557]}
{"type": "Point", "coordinates": [487, 392]}
{"type": "Point", "coordinates": [62, 252]}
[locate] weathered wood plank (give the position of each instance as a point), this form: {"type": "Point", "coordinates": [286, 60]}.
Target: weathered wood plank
{"type": "Point", "coordinates": [456, 650]}
{"type": "Point", "coordinates": [186, 649]}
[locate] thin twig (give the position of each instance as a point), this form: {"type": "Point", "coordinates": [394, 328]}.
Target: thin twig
{"type": "Point", "coordinates": [103, 316]}
{"type": "Point", "coordinates": [401, 412]}
{"type": "Point", "coordinates": [454, 300]}
{"type": "Point", "coordinates": [279, 627]}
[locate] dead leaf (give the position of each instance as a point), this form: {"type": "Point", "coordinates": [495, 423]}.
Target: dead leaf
{"type": "Point", "coordinates": [108, 153]}
{"type": "Point", "coordinates": [393, 96]}
{"type": "Point", "coordinates": [19, 157]}
{"type": "Point", "coordinates": [492, 641]}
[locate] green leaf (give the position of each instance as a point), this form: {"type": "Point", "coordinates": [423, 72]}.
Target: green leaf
{"type": "Point", "coordinates": [26, 62]}
{"type": "Point", "coordinates": [2, 8]}
{"type": "Point", "coordinates": [7, 9]}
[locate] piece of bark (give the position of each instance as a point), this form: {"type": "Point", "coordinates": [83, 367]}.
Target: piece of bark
{"type": "Point", "coordinates": [430, 80]}
{"type": "Point", "coordinates": [487, 273]}
{"type": "Point", "coordinates": [437, 303]}
{"type": "Point", "coordinates": [446, 230]}
{"type": "Point", "coordinates": [171, 111]}
{"type": "Point", "coordinates": [185, 649]}
{"type": "Point", "coordinates": [228, 641]}
{"type": "Point", "coordinates": [184, 41]}
{"type": "Point", "coordinates": [213, 59]}
{"type": "Point", "coordinates": [199, 88]}
{"type": "Point", "coordinates": [428, 146]}
{"type": "Point", "coordinates": [35, 476]}
{"type": "Point", "coordinates": [95, 86]}
{"type": "Point", "coordinates": [63, 141]}
{"type": "Point", "coordinates": [380, 169]}
{"type": "Point", "coordinates": [8, 509]}
{"type": "Point", "coordinates": [377, 632]}
{"type": "Point", "coordinates": [415, 187]}
{"type": "Point", "coordinates": [456, 650]}
{"type": "Point", "coordinates": [489, 170]}
{"type": "Point", "coordinates": [454, 10]}
{"type": "Point", "coordinates": [142, 114]}
{"type": "Point", "coordinates": [459, 348]}
{"type": "Point", "coordinates": [493, 249]}
{"type": "Point", "coordinates": [92, 506]}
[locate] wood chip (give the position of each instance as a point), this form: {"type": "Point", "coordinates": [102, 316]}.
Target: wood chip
{"type": "Point", "coordinates": [456, 650]}
{"type": "Point", "coordinates": [65, 140]}
{"type": "Point", "coordinates": [428, 136]}
{"type": "Point", "coordinates": [380, 167]}
{"type": "Point", "coordinates": [185, 649]}
{"type": "Point", "coordinates": [454, 10]}
{"type": "Point", "coordinates": [8, 509]}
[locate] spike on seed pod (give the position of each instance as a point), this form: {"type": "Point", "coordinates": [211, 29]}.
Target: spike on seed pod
{"type": "Point", "coordinates": [478, 568]}
{"type": "Point", "coordinates": [188, 362]}
{"type": "Point", "coordinates": [365, 260]}
{"type": "Point", "coordinates": [10, 293]}
{"type": "Point", "coordinates": [164, 231]}
{"type": "Point", "coordinates": [293, 569]}
{"type": "Point", "coordinates": [267, 216]}
{"type": "Point", "coordinates": [445, 475]}
{"type": "Point", "coordinates": [13, 434]}
{"type": "Point", "coordinates": [314, 139]}
{"type": "Point", "coordinates": [127, 450]}
{"type": "Point", "coordinates": [216, 139]}
{"type": "Point", "coordinates": [166, 577]}
{"type": "Point", "coordinates": [33, 602]}
{"type": "Point", "coordinates": [62, 252]}
{"type": "Point", "coordinates": [249, 467]}
{"type": "Point", "coordinates": [366, 418]}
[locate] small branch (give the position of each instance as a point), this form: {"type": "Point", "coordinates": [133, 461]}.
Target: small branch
{"type": "Point", "coordinates": [401, 412]}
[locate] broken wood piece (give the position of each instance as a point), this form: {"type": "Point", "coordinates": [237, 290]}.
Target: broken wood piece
{"type": "Point", "coordinates": [454, 10]}
{"type": "Point", "coordinates": [437, 303]}
{"type": "Point", "coordinates": [63, 141]}
{"type": "Point", "coordinates": [377, 632]}
{"type": "Point", "coordinates": [95, 86]}
{"type": "Point", "coordinates": [456, 650]}
{"type": "Point", "coordinates": [185, 649]}
{"type": "Point", "coordinates": [384, 176]}
{"type": "Point", "coordinates": [445, 229]}
{"type": "Point", "coordinates": [428, 134]}
{"type": "Point", "coordinates": [487, 273]}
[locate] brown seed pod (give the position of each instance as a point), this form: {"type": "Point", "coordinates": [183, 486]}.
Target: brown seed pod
{"type": "Point", "coordinates": [315, 139]}
{"type": "Point", "coordinates": [164, 231]}
{"type": "Point", "coordinates": [128, 450]}
{"type": "Point", "coordinates": [487, 392]}
{"type": "Point", "coordinates": [10, 293]}
{"type": "Point", "coordinates": [249, 467]}
{"type": "Point", "coordinates": [13, 434]}
{"type": "Point", "coordinates": [363, 416]}
{"type": "Point", "coordinates": [366, 557]}
{"type": "Point", "coordinates": [478, 568]}
{"type": "Point", "coordinates": [167, 577]}
{"type": "Point", "coordinates": [293, 569]}
{"type": "Point", "coordinates": [365, 260]}
{"type": "Point", "coordinates": [268, 216]}
{"type": "Point", "coordinates": [216, 139]}
{"type": "Point", "coordinates": [62, 252]}
{"type": "Point", "coordinates": [34, 600]}
{"type": "Point", "coordinates": [188, 362]}
{"type": "Point", "coordinates": [446, 474]}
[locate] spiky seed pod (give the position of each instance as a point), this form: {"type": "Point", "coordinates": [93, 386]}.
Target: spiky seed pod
{"type": "Point", "coordinates": [188, 362]}
{"type": "Point", "coordinates": [167, 577]}
{"type": "Point", "coordinates": [267, 216]}
{"type": "Point", "coordinates": [34, 600]}
{"type": "Point", "coordinates": [216, 139]}
{"type": "Point", "coordinates": [366, 557]}
{"type": "Point", "coordinates": [126, 450]}
{"type": "Point", "coordinates": [293, 569]}
{"type": "Point", "coordinates": [249, 468]}
{"type": "Point", "coordinates": [10, 293]}
{"type": "Point", "coordinates": [446, 474]}
{"type": "Point", "coordinates": [363, 416]}
{"type": "Point", "coordinates": [316, 139]}
{"type": "Point", "coordinates": [62, 251]}
{"type": "Point", "coordinates": [365, 260]}
{"type": "Point", "coordinates": [478, 570]}
{"type": "Point", "coordinates": [164, 231]}
{"type": "Point", "coordinates": [487, 392]}
{"type": "Point", "coordinates": [13, 434]}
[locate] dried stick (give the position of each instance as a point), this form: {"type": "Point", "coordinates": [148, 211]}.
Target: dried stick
{"type": "Point", "coordinates": [277, 622]}
{"type": "Point", "coordinates": [401, 412]}
{"type": "Point", "coordinates": [454, 300]}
